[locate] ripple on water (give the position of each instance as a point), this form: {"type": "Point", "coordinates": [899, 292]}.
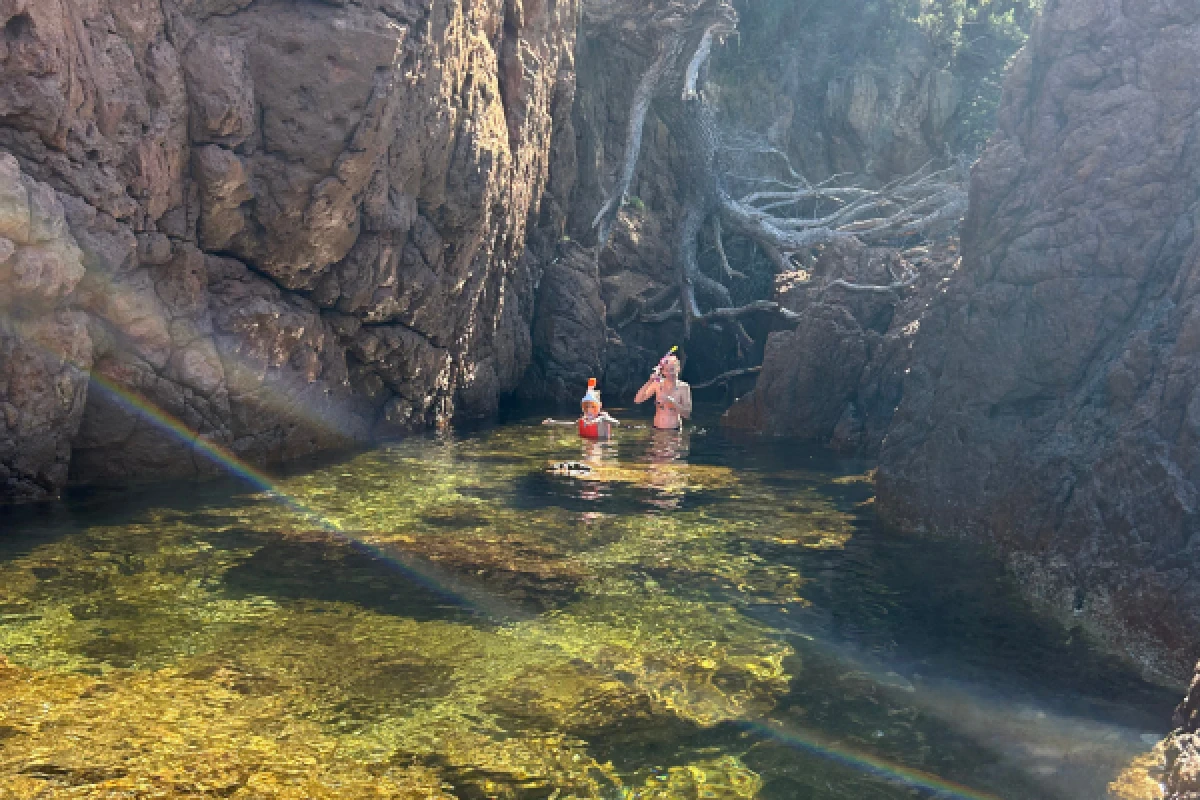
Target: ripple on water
{"type": "Point", "coordinates": [694, 617]}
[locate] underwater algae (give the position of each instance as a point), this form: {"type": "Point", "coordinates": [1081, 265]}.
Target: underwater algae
{"type": "Point", "coordinates": [445, 618]}
{"type": "Point", "coordinates": [132, 668]}
{"type": "Point", "coordinates": [1143, 778]}
{"type": "Point", "coordinates": [334, 699]}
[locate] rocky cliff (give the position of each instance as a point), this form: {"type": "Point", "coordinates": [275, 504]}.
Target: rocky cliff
{"type": "Point", "coordinates": [305, 223]}
{"type": "Point", "coordinates": [280, 226]}
{"type": "Point", "coordinates": [837, 373]}
{"type": "Point", "coordinates": [1052, 406]}
{"type": "Point", "coordinates": [1182, 748]}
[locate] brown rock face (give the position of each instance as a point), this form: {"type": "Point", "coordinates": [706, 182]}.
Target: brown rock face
{"type": "Point", "coordinates": [1183, 748]}
{"type": "Point", "coordinates": [1052, 406]}
{"type": "Point", "coordinates": [569, 330]}
{"type": "Point", "coordinates": [838, 375]}
{"type": "Point", "coordinates": [45, 350]}
{"type": "Point", "coordinates": [291, 225]}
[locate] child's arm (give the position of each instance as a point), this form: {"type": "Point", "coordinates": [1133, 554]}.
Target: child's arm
{"type": "Point", "coordinates": [610, 419]}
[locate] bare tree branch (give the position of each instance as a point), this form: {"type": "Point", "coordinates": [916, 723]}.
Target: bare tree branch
{"type": "Point", "coordinates": [725, 313]}
{"type": "Point", "coordinates": [669, 50]}
{"type": "Point", "coordinates": [726, 270]}
{"type": "Point", "coordinates": [642, 306]}
{"type": "Point", "coordinates": [775, 208]}
{"type": "Point", "coordinates": [674, 312]}
{"type": "Point", "coordinates": [868, 287]}
{"type": "Point", "coordinates": [781, 261]}
{"type": "Point", "coordinates": [699, 59]}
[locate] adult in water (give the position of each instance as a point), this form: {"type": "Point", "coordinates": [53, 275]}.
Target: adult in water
{"type": "Point", "coordinates": [672, 397]}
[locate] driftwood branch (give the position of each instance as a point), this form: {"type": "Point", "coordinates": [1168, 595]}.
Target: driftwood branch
{"type": "Point", "coordinates": [669, 50]}
{"type": "Point", "coordinates": [725, 313]}
{"type": "Point", "coordinates": [699, 59]}
{"type": "Point", "coordinates": [877, 288]}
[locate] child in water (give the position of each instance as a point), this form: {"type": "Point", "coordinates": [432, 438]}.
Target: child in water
{"type": "Point", "coordinates": [593, 423]}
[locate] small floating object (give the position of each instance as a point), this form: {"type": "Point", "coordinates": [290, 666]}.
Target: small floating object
{"type": "Point", "coordinates": [569, 468]}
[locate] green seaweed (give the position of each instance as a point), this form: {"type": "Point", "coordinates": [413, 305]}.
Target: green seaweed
{"type": "Point", "coordinates": [438, 619]}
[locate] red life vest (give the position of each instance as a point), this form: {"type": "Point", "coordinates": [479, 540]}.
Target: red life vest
{"type": "Point", "coordinates": [589, 430]}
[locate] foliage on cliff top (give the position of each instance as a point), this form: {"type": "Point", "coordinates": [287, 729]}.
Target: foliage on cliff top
{"type": "Point", "coordinates": [974, 39]}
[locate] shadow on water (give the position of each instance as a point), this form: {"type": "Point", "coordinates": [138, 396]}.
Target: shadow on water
{"type": "Point", "coordinates": [321, 568]}
{"type": "Point", "coordinates": [540, 491]}
{"type": "Point", "coordinates": [24, 528]}
{"type": "Point", "coordinates": [931, 609]}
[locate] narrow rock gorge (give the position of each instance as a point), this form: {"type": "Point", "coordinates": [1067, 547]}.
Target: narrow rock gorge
{"type": "Point", "coordinates": [306, 225]}
{"type": "Point", "coordinates": [270, 229]}
{"type": "Point", "coordinates": [280, 228]}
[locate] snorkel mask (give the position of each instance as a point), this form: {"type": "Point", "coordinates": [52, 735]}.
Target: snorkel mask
{"type": "Point", "coordinates": [668, 358]}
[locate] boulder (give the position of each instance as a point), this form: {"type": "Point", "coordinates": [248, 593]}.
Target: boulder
{"type": "Point", "coordinates": [569, 331]}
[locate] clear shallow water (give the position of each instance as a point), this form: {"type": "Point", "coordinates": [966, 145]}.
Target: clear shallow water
{"type": "Point", "coordinates": [697, 617]}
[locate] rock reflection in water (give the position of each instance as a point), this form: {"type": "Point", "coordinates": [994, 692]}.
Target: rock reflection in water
{"type": "Point", "coordinates": [480, 628]}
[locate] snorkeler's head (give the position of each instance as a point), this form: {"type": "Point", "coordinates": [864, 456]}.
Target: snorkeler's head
{"type": "Point", "coordinates": [668, 365]}
{"type": "Point", "coordinates": [591, 399]}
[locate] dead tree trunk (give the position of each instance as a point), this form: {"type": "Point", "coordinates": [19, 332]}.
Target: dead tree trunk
{"type": "Point", "coordinates": [682, 34]}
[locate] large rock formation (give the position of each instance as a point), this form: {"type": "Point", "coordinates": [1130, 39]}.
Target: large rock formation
{"type": "Point", "coordinates": [1183, 748]}
{"type": "Point", "coordinates": [45, 350]}
{"type": "Point", "coordinates": [1052, 406]}
{"type": "Point", "coordinates": [302, 223]}
{"type": "Point", "coordinates": [837, 373]}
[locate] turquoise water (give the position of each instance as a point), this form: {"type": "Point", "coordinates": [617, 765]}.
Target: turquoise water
{"type": "Point", "coordinates": [695, 616]}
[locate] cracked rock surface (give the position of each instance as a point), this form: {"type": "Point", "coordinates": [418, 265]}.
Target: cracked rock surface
{"type": "Point", "coordinates": [1053, 407]}
{"type": "Point", "coordinates": [282, 227]}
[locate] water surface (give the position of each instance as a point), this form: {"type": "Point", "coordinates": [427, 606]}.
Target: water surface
{"type": "Point", "coordinates": [695, 616]}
